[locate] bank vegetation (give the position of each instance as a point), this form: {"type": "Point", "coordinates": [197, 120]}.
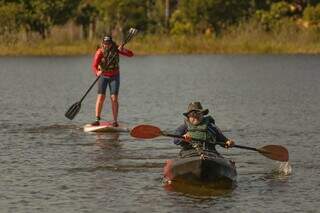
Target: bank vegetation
{"type": "Point", "coordinates": [72, 27]}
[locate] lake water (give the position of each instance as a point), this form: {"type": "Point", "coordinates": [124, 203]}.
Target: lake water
{"type": "Point", "coordinates": [48, 164]}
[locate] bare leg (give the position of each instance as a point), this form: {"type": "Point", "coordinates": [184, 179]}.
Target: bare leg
{"type": "Point", "coordinates": [115, 107]}
{"type": "Point", "coordinates": [99, 104]}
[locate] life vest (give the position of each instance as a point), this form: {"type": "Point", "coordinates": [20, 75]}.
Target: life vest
{"type": "Point", "coordinates": [108, 54]}
{"type": "Point", "coordinates": [200, 131]}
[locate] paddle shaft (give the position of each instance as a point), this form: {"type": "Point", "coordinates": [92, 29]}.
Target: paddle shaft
{"type": "Point", "coordinates": [246, 147]}
{"type": "Point", "coordinates": [181, 137]}
{"type": "Point", "coordinates": [236, 146]}
{"type": "Point", "coordinates": [276, 153]}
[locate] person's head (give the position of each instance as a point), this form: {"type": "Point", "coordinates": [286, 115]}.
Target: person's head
{"type": "Point", "coordinates": [107, 41]}
{"type": "Point", "coordinates": [195, 113]}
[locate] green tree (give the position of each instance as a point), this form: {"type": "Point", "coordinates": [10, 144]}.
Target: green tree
{"type": "Point", "coordinates": [312, 14]}
{"type": "Point", "coordinates": [86, 15]}
{"type": "Point", "coordinates": [203, 14]}
{"type": "Point", "coordinates": [271, 19]}
{"type": "Point", "coordinates": [156, 16]}
{"type": "Point", "coordinates": [123, 14]}
{"type": "Point", "coordinates": [10, 21]}
{"type": "Point", "coordinates": [41, 15]}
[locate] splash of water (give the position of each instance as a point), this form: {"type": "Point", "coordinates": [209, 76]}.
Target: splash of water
{"type": "Point", "coordinates": [285, 168]}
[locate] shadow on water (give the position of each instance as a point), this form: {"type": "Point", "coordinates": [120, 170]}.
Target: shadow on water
{"type": "Point", "coordinates": [32, 128]}
{"type": "Point", "coordinates": [116, 167]}
{"type": "Point", "coordinates": [200, 190]}
{"type": "Point", "coordinates": [51, 128]}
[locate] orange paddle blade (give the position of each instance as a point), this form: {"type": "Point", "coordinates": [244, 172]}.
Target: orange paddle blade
{"type": "Point", "coordinates": [275, 152]}
{"type": "Point", "coordinates": [145, 131]}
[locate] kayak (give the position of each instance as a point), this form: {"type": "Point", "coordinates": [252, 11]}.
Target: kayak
{"type": "Point", "coordinates": [106, 126]}
{"type": "Point", "coordinates": [206, 167]}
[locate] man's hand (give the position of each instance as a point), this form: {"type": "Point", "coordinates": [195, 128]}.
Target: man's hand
{"type": "Point", "coordinates": [187, 138]}
{"type": "Point", "coordinates": [229, 144]}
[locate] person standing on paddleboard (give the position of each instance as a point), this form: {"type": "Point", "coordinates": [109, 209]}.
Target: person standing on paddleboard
{"type": "Point", "coordinates": [198, 125]}
{"type": "Point", "coordinates": [110, 76]}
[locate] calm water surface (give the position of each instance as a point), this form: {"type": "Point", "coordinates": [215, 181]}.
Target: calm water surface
{"type": "Point", "coordinates": [48, 164]}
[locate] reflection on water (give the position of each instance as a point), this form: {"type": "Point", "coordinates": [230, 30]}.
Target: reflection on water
{"type": "Point", "coordinates": [275, 175]}
{"type": "Point", "coordinates": [107, 141]}
{"type": "Point", "coordinates": [199, 189]}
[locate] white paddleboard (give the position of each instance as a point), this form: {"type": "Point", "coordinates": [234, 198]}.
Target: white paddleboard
{"type": "Point", "coordinates": [106, 126]}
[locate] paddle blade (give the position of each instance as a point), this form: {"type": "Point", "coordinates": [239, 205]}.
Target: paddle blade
{"type": "Point", "coordinates": [145, 131]}
{"type": "Point", "coordinates": [132, 32]}
{"type": "Point", "coordinates": [73, 110]}
{"type": "Point", "coordinates": [275, 152]}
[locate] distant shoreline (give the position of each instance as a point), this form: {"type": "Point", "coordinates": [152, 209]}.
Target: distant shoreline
{"type": "Point", "coordinates": [160, 45]}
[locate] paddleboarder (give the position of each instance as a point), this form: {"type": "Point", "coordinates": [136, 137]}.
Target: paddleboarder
{"type": "Point", "coordinates": [198, 125]}
{"type": "Point", "coordinates": [110, 76]}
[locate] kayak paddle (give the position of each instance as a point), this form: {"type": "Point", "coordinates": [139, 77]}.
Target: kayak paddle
{"type": "Point", "coordinates": [75, 108]}
{"type": "Point", "coordinates": [274, 152]}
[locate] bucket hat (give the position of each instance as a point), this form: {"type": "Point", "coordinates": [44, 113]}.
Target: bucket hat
{"type": "Point", "coordinates": [196, 106]}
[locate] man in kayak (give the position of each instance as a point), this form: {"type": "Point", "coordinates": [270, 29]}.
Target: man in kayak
{"type": "Point", "coordinates": [199, 126]}
{"type": "Point", "coordinates": [109, 50]}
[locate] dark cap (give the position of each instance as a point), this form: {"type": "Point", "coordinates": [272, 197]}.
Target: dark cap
{"type": "Point", "coordinates": [107, 39]}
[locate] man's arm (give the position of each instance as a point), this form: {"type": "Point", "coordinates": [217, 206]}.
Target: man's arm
{"type": "Point", "coordinates": [213, 129]}
{"type": "Point", "coordinates": [227, 143]}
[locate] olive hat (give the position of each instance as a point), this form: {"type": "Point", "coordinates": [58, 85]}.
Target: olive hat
{"type": "Point", "coordinates": [196, 106]}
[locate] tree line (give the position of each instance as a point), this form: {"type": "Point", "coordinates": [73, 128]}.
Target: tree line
{"type": "Point", "coordinates": [174, 17]}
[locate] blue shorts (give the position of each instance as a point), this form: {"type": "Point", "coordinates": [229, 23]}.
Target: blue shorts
{"type": "Point", "coordinates": [113, 82]}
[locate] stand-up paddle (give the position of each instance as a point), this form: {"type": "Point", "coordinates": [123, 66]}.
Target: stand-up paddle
{"type": "Point", "coordinates": [274, 152]}
{"type": "Point", "coordinates": [75, 108]}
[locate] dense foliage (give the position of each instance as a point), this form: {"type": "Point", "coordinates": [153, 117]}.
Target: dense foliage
{"type": "Point", "coordinates": [176, 17]}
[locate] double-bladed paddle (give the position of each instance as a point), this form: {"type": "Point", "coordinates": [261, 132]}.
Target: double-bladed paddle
{"type": "Point", "coordinates": [274, 152]}
{"type": "Point", "coordinates": [75, 108]}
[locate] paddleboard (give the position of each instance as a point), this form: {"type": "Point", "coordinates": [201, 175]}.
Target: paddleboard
{"type": "Point", "coordinates": [106, 126]}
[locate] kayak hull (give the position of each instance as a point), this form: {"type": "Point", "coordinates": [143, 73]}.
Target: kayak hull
{"type": "Point", "coordinates": [201, 168]}
{"type": "Point", "coordinates": [105, 127]}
